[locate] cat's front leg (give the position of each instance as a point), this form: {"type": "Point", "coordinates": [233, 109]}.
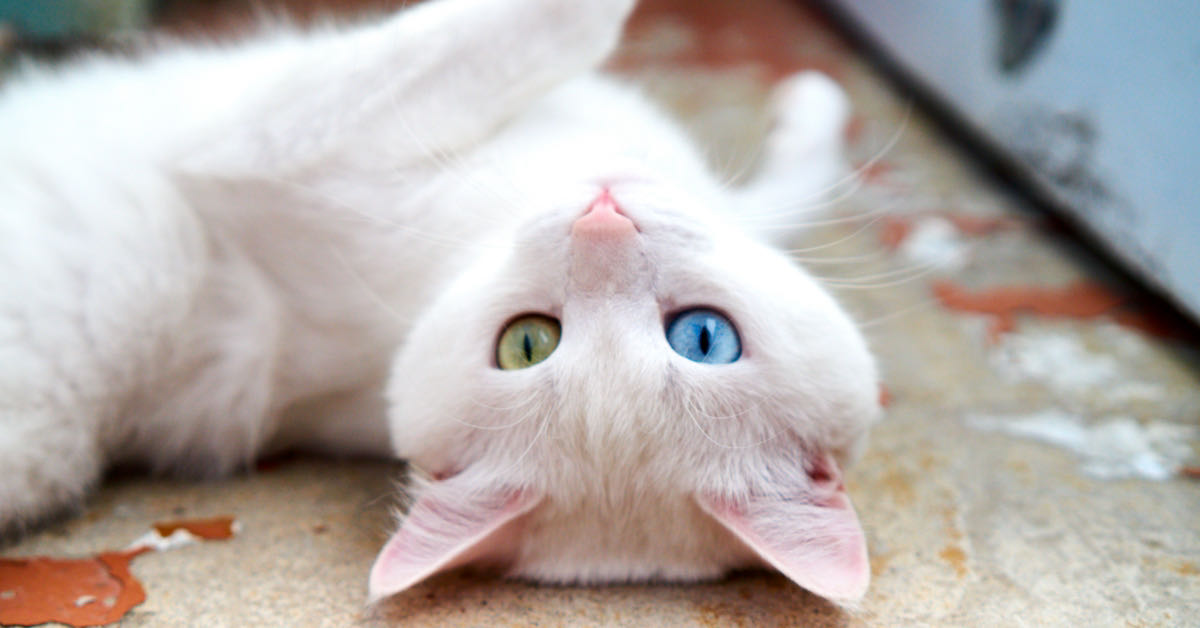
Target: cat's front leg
{"type": "Point", "coordinates": [802, 160]}
{"type": "Point", "coordinates": [432, 80]}
{"type": "Point", "coordinates": [48, 460]}
{"type": "Point", "coordinates": [97, 272]}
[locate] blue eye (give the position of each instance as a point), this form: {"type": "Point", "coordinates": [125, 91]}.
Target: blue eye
{"type": "Point", "coordinates": [704, 336]}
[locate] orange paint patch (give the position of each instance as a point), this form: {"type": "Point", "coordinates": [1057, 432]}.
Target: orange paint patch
{"type": "Point", "coordinates": [885, 396]}
{"type": "Point", "coordinates": [896, 230]}
{"type": "Point", "coordinates": [875, 171]}
{"type": "Point", "coordinates": [972, 225]}
{"type": "Point", "coordinates": [899, 487]}
{"type": "Point", "coordinates": [216, 529]}
{"type": "Point", "coordinates": [879, 564]}
{"type": "Point", "coordinates": [85, 591]}
{"type": "Point", "coordinates": [1079, 300]}
{"type": "Point", "coordinates": [854, 129]}
{"type": "Point", "coordinates": [77, 592]}
{"type": "Point", "coordinates": [957, 558]}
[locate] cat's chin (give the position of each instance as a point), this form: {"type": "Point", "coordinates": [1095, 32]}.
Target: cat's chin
{"type": "Point", "coordinates": [675, 542]}
{"type": "Point", "coordinates": [607, 572]}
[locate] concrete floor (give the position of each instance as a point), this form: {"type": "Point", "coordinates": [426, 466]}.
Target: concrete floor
{"type": "Point", "coordinates": [1010, 483]}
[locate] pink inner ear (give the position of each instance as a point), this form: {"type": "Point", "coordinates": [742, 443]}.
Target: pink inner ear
{"type": "Point", "coordinates": [816, 542]}
{"type": "Point", "coordinates": [442, 530]}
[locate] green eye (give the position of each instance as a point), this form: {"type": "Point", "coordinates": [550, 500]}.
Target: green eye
{"type": "Point", "coordinates": [527, 341]}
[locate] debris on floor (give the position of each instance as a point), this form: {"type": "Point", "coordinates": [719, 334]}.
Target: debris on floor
{"type": "Point", "coordinates": [215, 529]}
{"type": "Point", "coordinates": [1080, 300]}
{"type": "Point", "coordinates": [1115, 448]}
{"type": "Point", "coordinates": [79, 592]}
{"type": "Point", "coordinates": [96, 590]}
{"type": "Point", "coordinates": [898, 228]}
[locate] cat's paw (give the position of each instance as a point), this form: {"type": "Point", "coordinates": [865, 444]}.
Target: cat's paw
{"type": "Point", "coordinates": [811, 111]}
{"type": "Point", "coordinates": [47, 465]}
{"type": "Point", "coordinates": [609, 11]}
{"type": "Point", "coordinates": [581, 25]}
{"type": "Point", "coordinates": [803, 157]}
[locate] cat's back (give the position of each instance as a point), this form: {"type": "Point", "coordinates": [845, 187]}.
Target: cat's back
{"type": "Point", "coordinates": [140, 104]}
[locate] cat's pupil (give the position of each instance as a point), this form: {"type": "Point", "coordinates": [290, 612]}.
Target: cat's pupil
{"type": "Point", "coordinates": [705, 338]}
{"type": "Point", "coordinates": [527, 346]}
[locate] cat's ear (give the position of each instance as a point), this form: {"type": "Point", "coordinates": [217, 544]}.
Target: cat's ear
{"type": "Point", "coordinates": [428, 81]}
{"type": "Point", "coordinates": [807, 530]}
{"type": "Point", "coordinates": [450, 525]}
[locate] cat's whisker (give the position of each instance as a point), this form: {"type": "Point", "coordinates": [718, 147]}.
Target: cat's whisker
{"type": "Point", "coordinates": [803, 207]}
{"type": "Point", "coordinates": [368, 289]}
{"type": "Point", "coordinates": [452, 162]}
{"type": "Point", "coordinates": [545, 424]}
{"type": "Point", "coordinates": [735, 415]}
{"type": "Point", "coordinates": [737, 179]}
{"type": "Point", "coordinates": [856, 177]}
{"type": "Point", "coordinates": [940, 263]}
{"type": "Point", "coordinates": [820, 200]}
{"type": "Point", "coordinates": [854, 234]}
{"type": "Point", "coordinates": [495, 428]}
{"type": "Point", "coordinates": [692, 416]}
{"type": "Point", "coordinates": [375, 219]}
{"type": "Point", "coordinates": [860, 172]}
{"type": "Point", "coordinates": [526, 401]}
{"type": "Point", "coordinates": [877, 255]}
{"type": "Point", "coordinates": [920, 305]}
{"type": "Point", "coordinates": [868, 215]}
{"type": "Point", "coordinates": [906, 275]}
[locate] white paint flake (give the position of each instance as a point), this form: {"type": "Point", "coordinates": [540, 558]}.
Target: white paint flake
{"type": "Point", "coordinates": [159, 543]}
{"type": "Point", "coordinates": [935, 242]}
{"type": "Point", "coordinates": [1066, 366]}
{"type": "Point", "coordinates": [180, 537]}
{"type": "Point", "coordinates": [1118, 447]}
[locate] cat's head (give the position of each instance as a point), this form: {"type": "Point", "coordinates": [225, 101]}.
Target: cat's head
{"type": "Point", "coordinates": [627, 388]}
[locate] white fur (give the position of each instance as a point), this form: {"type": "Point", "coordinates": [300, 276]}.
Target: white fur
{"type": "Point", "coordinates": [211, 253]}
{"type": "Point", "coordinates": [614, 423]}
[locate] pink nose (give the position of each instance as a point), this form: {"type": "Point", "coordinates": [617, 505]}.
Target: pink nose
{"type": "Point", "coordinates": [603, 220]}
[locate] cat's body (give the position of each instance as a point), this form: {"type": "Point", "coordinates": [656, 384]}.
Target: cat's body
{"type": "Point", "coordinates": [321, 214]}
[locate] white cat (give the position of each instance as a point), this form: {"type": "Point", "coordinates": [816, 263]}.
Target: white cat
{"type": "Point", "coordinates": [438, 237]}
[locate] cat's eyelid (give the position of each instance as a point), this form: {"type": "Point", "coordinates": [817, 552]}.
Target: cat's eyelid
{"type": "Point", "coordinates": [674, 311]}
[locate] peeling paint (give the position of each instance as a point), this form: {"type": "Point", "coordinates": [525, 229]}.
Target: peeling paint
{"type": "Point", "coordinates": [91, 591]}
{"type": "Point", "coordinates": [1079, 300]}
{"type": "Point", "coordinates": [1116, 448]}
{"type": "Point", "coordinates": [41, 589]}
